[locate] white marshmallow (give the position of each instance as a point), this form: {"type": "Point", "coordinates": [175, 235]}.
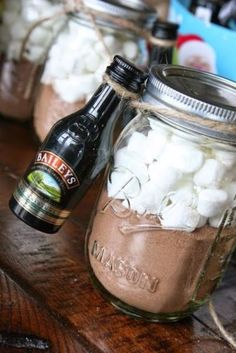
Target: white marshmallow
{"type": "Point", "coordinates": [230, 220]}
{"type": "Point", "coordinates": [30, 13]}
{"type": "Point", "coordinates": [18, 30]}
{"type": "Point", "coordinates": [231, 190]}
{"type": "Point", "coordinates": [155, 144]}
{"type": "Point", "coordinates": [35, 53]}
{"type": "Point", "coordinates": [202, 221]}
{"type": "Point", "coordinates": [185, 195]}
{"type": "Point", "coordinates": [184, 157]}
{"type": "Point", "coordinates": [128, 160]}
{"type": "Point", "coordinates": [165, 177]}
{"type": "Point", "coordinates": [123, 184]}
{"type": "Point", "coordinates": [74, 88]}
{"type": "Point", "coordinates": [9, 17]}
{"type": "Point", "coordinates": [211, 202]}
{"type": "Point", "coordinates": [180, 216]}
{"type": "Point", "coordinates": [40, 36]}
{"type": "Point", "coordinates": [138, 144]}
{"type": "Point", "coordinates": [13, 50]}
{"type": "Point", "coordinates": [130, 50]}
{"type": "Point", "coordinates": [211, 174]}
{"type": "Point", "coordinates": [92, 62]}
{"type": "Point", "coordinates": [227, 158]}
{"type": "Point", "coordinates": [148, 200]}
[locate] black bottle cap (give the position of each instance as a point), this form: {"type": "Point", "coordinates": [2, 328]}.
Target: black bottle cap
{"type": "Point", "coordinates": [165, 30]}
{"type": "Point", "coordinates": [126, 74]}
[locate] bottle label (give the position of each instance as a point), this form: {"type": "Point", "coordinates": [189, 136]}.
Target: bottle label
{"type": "Point", "coordinates": [59, 166]}
{"type": "Point", "coordinates": [38, 206]}
{"type": "Point", "coordinates": [46, 188]}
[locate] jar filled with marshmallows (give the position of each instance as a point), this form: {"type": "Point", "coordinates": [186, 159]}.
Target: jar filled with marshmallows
{"type": "Point", "coordinates": [163, 228]}
{"type": "Point", "coordinates": [25, 36]}
{"type": "Point", "coordinates": [76, 61]}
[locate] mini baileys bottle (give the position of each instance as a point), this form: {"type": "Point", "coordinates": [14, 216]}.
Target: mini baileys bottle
{"type": "Point", "coordinates": [72, 155]}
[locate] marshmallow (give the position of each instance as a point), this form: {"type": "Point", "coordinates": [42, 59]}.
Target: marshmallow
{"type": "Point", "coordinates": [212, 202]}
{"type": "Point", "coordinates": [211, 174]}
{"type": "Point", "coordinates": [130, 50]}
{"type": "Point", "coordinates": [30, 13]}
{"type": "Point", "coordinates": [35, 53]}
{"type": "Point", "coordinates": [184, 157]}
{"type": "Point", "coordinates": [185, 195]}
{"type": "Point", "coordinates": [9, 18]}
{"type": "Point", "coordinates": [156, 143]}
{"type": "Point", "coordinates": [18, 30]}
{"type": "Point", "coordinates": [231, 191]}
{"type": "Point", "coordinates": [123, 184]}
{"type": "Point", "coordinates": [92, 62]}
{"type": "Point", "coordinates": [180, 216]}
{"type": "Point", "coordinates": [227, 158]}
{"type": "Point", "coordinates": [39, 36]}
{"type": "Point", "coordinates": [202, 221]}
{"type": "Point", "coordinates": [74, 87]}
{"type": "Point", "coordinates": [14, 50]}
{"type": "Point", "coordinates": [148, 200]}
{"type": "Point", "coordinates": [165, 177]}
{"type": "Point", "coordinates": [138, 144]}
{"type": "Point", "coordinates": [128, 159]}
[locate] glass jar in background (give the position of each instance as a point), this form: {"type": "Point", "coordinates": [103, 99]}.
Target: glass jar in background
{"type": "Point", "coordinates": [163, 228]}
{"type": "Point", "coordinates": [20, 72]}
{"type": "Point", "coordinates": [77, 59]}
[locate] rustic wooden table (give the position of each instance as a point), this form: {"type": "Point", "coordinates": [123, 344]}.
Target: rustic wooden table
{"type": "Point", "coordinates": [47, 302]}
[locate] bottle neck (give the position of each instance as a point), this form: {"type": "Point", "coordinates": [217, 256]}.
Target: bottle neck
{"type": "Point", "coordinates": [102, 104]}
{"type": "Point", "coordinates": [161, 55]}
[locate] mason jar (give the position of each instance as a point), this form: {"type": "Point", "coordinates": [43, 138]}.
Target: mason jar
{"type": "Point", "coordinates": [163, 228]}
{"type": "Point", "coordinates": [81, 52]}
{"type": "Point", "coordinates": [23, 50]}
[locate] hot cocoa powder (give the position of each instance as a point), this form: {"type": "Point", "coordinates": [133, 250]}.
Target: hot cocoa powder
{"type": "Point", "coordinates": [18, 85]}
{"type": "Point", "coordinates": [155, 270]}
{"type": "Point", "coordinates": [49, 108]}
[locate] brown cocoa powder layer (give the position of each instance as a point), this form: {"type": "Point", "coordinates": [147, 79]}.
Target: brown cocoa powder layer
{"type": "Point", "coordinates": [174, 258]}
{"type": "Point", "coordinates": [50, 108]}
{"type": "Point", "coordinates": [18, 86]}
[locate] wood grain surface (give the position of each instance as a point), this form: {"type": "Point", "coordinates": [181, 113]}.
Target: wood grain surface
{"type": "Point", "coordinates": [45, 289]}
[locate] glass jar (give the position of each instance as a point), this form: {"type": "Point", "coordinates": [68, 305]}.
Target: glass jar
{"type": "Point", "coordinates": [163, 228]}
{"type": "Point", "coordinates": [21, 56]}
{"type": "Point", "coordinates": [79, 55]}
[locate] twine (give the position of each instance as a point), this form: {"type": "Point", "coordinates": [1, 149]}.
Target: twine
{"type": "Point", "coordinates": [228, 337]}
{"type": "Point", "coordinates": [165, 43]}
{"type": "Point", "coordinates": [169, 112]}
{"type": "Point", "coordinates": [71, 6]}
{"type": "Point", "coordinates": [120, 90]}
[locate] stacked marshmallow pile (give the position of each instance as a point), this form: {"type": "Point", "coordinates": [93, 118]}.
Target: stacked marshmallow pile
{"type": "Point", "coordinates": [186, 184]}
{"type": "Point", "coordinates": [18, 17]}
{"type": "Point", "coordinates": [78, 59]}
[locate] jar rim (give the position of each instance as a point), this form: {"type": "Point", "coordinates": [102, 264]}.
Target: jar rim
{"type": "Point", "coordinates": [133, 10]}
{"type": "Point", "coordinates": [205, 96]}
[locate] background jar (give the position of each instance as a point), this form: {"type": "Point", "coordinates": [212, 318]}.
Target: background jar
{"type": "Point", "coordinates": [79, 55]}
{"type": "Point", "coordinates": [163, 229]}
{"type": "Point", "coordinates": [22, 57]}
